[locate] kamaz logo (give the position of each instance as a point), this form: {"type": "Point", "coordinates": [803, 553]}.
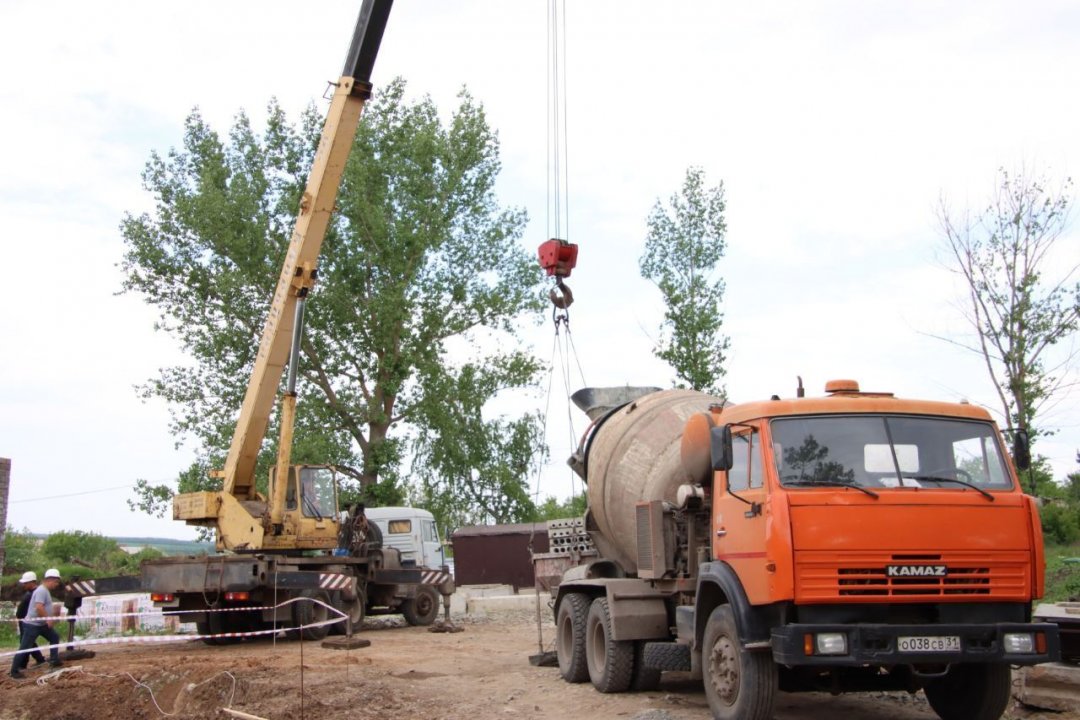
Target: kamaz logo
{"type": "Point", "coordinates": [916, 571]}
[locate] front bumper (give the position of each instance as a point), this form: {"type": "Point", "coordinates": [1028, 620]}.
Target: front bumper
{"type": "Point", "coordinates": [873, 644]}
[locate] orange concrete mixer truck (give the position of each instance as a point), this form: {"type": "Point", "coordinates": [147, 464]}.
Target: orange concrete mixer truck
{"type": "Point", "coordinates": [856, 541]}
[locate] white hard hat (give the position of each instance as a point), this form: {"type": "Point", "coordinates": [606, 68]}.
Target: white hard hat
{"type": "Point", "coordinates": [52, 573]}
{"type": "Point", "coordinates": [28, 576]}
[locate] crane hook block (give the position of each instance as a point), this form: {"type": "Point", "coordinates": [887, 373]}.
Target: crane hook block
{"type": "Point", "coordinates": [558, 257]}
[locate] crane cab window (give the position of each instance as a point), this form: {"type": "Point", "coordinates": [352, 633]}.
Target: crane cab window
{"type": "Point", "coordinates": [317, 498]}
{"type": "Point", "coordinates": [745, 469]}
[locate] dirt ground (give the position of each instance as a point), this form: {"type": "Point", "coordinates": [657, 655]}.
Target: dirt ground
{"type": "Point", "coordinates": [478, 674]}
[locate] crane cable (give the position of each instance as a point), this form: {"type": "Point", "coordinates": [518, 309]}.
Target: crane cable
{"type": "Point", "coordinates": [561, 256]}
{"type": "Point", "coordinates": [558, 178]}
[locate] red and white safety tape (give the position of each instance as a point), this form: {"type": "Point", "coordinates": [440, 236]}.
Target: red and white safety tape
{"type": "Point", "coordinates": [340, 616]}
{"type": "Point", "coordinates": [163, 611]}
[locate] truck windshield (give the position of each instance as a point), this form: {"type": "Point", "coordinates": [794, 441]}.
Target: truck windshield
{"type": "Point", "coordinates": [887, 451]}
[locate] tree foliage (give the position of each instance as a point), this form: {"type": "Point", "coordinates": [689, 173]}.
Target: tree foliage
{"type": "Point", "coordinates": [471, 470]}
{"type": "Point", "coordinates": [80, 551]}
{"type": "Point", "coordinates": [78, 545]}
{"type": "Point", "coordinates": [419, 261]}
{"type": "Point", "coordinates": [21, 551]}
{"type": "Point", "coordinates": [554, 509]}
{"type": "Point", "coordinates": [1021, 304]}
{"type": "Point", "coordinates": [684, 245]}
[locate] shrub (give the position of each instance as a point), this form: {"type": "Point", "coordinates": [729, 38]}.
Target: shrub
{"type": "Point", "coordinates": [1060, 523]}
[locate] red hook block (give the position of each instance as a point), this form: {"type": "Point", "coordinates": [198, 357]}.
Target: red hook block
{"type": "Point", "coordinates": [558, 257]}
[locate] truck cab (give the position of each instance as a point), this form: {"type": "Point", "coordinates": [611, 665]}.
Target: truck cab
{"type": "Point", "coordinates": [412, 532]}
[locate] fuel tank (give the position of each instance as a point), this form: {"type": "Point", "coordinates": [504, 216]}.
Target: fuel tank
{"type": "Point", "coordinates": [633, 455]}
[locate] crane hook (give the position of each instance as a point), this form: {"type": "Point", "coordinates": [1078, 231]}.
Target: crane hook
{"type": "Point", "coordinates": [561, 295]}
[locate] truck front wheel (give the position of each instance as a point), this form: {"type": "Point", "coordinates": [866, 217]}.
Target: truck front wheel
{"type": "Point", "coordinates": [570, 637]}
{"type": "Point", "coordinates": [422, 609]}
{"type": "Point", "coordinates": [971, 691]}
{"type": "Point", "coordinates": [740, 685]}
{"type": "Point", "coordinates": [611, 662]}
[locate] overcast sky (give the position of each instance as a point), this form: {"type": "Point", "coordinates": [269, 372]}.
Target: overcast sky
{"type": "Point", "coordinates": [835, 127]}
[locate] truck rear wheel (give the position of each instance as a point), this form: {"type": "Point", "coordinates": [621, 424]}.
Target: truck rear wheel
{"type": "Point", "coordinates": [644, 678]}
{"type": "Point", "coordinates": [203, 628]}
{"type": "Point", "coordinates": [422, 609]}
{"type": "Point", "coordinates": [308, 613]}
{"type": "Point", "coordinates": [971, 691]}
{"type": "Point", "coordinates": [739, 685]}
{"type": "Point", "coordinates": [611, 662]}
{"type": "Point", "coordinates": [570, 637]}
{"type": "Point", "coordinates": [216, 623]}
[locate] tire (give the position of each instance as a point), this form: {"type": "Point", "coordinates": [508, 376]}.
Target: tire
{"type": "Point", "coordinates": [643, 678]}
{"type": "Point", "coordinates": [217, 623]}
{"type": "Point", "coordinates": [354, 610]}
{"type": "Point", "coordinates": [971, 691]}
{"type": "Point", "coordinates": [570, 637]}
{"type": "Point", "coordinates": [203, 628]}
{"type": "Point", "coordinates": [739, 685]}
{"type": "Point", "coordinates": [375, 539]}
{"type": "Point", "coordinates": [668, 656]}
{"type": "Point", "coordinates": [306, 613]}
{"type": "Point", "coordinates": [422, 609]}
{"type": "Point", "coordinates": [611, 662]}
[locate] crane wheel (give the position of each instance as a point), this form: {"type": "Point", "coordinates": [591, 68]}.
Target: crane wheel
{"type": "Point", "coordinates": [307, 613]}
{"type": "Point", "coordinates": [354, 609]}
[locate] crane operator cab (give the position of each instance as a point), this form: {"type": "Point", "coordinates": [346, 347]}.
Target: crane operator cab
{"type": "Point", "coordinates": [311, 503]}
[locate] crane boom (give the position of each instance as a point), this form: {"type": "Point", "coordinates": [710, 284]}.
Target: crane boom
{"type": "Point", "coordinates": [300, 268]}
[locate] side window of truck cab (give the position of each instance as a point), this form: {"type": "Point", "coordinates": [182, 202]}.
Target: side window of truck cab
{"type": "Point", "coordinates": [399, 527]}
{"type": "Point", "coordinates": [745, 469]}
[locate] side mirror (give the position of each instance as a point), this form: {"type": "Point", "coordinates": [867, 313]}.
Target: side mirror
{"type": "Point", "coordinates": [1021, 449]}
{"type": "Point", "coordinates": [720, 449]}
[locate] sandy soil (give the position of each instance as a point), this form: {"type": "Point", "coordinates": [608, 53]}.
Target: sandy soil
{"type": "Point", "coordinates": [480, 673]}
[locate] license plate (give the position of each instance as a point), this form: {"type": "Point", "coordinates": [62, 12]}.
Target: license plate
{"type": "Point", "coordinates": [928, 643]}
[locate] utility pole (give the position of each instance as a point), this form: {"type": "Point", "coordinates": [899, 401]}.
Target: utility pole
{"type": "Point", "coordinates": [5, 483]}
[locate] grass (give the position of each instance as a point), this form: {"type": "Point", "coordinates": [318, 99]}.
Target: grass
{"type": "Point", "coordinates": [9, 633]}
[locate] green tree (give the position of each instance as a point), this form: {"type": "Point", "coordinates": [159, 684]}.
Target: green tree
{"type": "Point", "coordinates": [124, 562]}
{"type": "Point", "coordinates": [1020, 303]}
{"type": "Point", "coordinates": [472, 470]}
{"type": "Point", "coordinates": [421, 275]}
{"type": "Point", "coordinates": [1060, 523]}
{"type": "Point", "coordinates": [1039, 479]}
{"type": "Point", "coordinates": [553, 509]}
{"type": "Point", "coordinates": [1072, 485]}
{"type": "Point", "coordinates": [21, 551]}
{"type": "Point", "coordinates": [684, 245]}
{"type": "Point", "coordinates": [79, 546]}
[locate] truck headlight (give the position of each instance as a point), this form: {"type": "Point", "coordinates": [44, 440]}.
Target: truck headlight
{"type": "Point", "coordinates": [1019, 643]}
{"type": "Point", "coordinates": [830, 644]}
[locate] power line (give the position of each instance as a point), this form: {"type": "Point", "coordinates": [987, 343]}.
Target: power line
{"type": "Point", "coordinates": [85, 492]}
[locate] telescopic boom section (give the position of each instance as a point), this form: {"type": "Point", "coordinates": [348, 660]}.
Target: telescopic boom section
{"type": "Point", "coordinates": [299, 272]}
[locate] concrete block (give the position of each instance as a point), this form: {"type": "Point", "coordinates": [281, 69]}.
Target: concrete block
{"type": "Point", "coordinates": [1051, 686]}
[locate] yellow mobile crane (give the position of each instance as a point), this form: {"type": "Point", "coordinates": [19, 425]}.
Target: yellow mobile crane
{"type": "Point", "coordinates": [294, 517]}
{"type": "Point", "coordinates": [272, 537]}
